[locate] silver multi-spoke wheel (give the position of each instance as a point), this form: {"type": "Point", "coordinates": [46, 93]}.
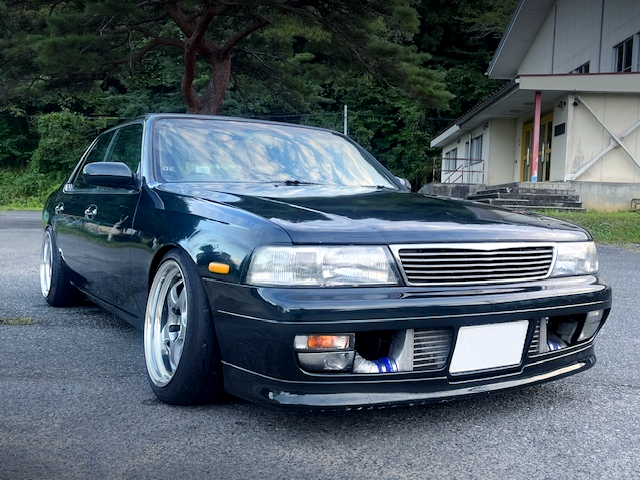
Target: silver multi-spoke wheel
{"type": "Point", "coordinates": [166, 323]}
{"type": "Point", "coordinates": [55, 278]}
{"type": "Point", "coordinates": [46, 264]}
{"type": "Point", "coordinates": [181, 350]}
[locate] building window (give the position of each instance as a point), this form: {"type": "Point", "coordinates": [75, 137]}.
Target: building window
{"type": "Point", "coordinates": [623, 56]}
{"type": "Point", "coordinates": [476, 148]}
{"type": "Point", "coordinates": [450, 158]}
{"type": "Point", "coordinates": [473, 171]}
{"type": "Point", "coordinates": [581, 69]}
{"type": "Point", "coordinates": [449, 165]}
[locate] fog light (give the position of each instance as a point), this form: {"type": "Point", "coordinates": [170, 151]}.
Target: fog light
{"type": "Point", "coordinates": [326, 362]}
{"type": "Point", "coordinates": [325, 353]}
{"type": "Point", "coordinates": [591, 325]}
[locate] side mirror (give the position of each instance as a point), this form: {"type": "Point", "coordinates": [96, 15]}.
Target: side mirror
{"type": "Point", "coordinates": [404, 182]}
{"type": "Point", "coordinates": [108, 174]}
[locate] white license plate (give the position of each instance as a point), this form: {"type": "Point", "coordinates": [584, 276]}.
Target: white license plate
{"type": "Point", "coordinates": [485, 347]}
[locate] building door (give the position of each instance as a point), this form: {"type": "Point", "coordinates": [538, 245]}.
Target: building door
{"type": "Point", "coordinates": [544, 150]}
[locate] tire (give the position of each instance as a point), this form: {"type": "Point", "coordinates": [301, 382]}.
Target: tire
{"type": "Point", "coordinates": [55, 283]}
{"type": "Point", "coordinates": [180, 345]}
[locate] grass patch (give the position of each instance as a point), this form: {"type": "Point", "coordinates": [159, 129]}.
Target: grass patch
{"type": "Point", "coordinates": [616, 228]}
{"type": "Point", "coordinates": [25, 189]}
{"type": "Point", "coordinates": [15, 321]}
{"type": "Point", "coordinates": [23, 204]}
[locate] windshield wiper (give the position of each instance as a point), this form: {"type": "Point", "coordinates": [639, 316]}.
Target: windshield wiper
{"type": "Point", "coordinates": [297, 182]}
{"type": "Point", "coordinates": [378, 187]}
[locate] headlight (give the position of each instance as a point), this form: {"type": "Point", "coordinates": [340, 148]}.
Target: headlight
{"type": "Point", "coordinates": [575, 258]}
{"type": "Point", "coordinates": [321, 266]}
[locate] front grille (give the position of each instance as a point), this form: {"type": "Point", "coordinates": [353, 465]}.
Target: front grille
{"type": "Point", "coordinates": [431, 349]}
{"type": "Point", "coordinates": [474, 264]}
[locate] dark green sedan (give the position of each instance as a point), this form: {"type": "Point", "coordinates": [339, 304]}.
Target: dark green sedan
{"type": "Point", "coordinates": [284, 265]}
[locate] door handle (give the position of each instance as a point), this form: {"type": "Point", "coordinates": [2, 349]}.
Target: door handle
{"type": "Point", "coordinates": [90, 212]}
{"type": "Point", "coordinates": [59, 208]}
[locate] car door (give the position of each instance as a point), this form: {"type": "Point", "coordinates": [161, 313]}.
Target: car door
{"type": "Point", "coordinates": [94, 228]}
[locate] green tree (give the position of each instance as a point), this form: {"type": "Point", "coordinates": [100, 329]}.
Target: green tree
{"type": "Point", "coordinates": [461, 36]}
{"type": "Point", "coordinates": [15, 141]}
{"type": "Point", "coordinates": [75, 43]}
{"type": "Point", "coordinates": [63, 138]}
{"type": "Point", "coordinates": [393, 63]}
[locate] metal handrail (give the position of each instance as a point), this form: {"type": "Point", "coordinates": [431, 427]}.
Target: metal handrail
{"type": "Point", "coordinates": [464, 166]}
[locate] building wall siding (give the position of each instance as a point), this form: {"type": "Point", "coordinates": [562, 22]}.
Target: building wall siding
{"type": "Point", "coordinates": [590, 138]}
{"type": "Point", "coordinates": [502, 139]}
{"type": "Point", "coordinates": [570, 36]}
{"type": "Point", "coordinates": [621, 20]}
{"type": "Point", "coordinates": [538, 58]}
{"type": "Point", "coordinates": [577, 34]}
{"type": "Point", "coordinates": [560, 145]}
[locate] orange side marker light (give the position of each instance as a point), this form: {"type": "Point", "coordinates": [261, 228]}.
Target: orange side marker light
{"type": "Point", "coordinates": [221, 268]}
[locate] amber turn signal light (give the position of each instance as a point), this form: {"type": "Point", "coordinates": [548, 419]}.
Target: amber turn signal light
{"type": "Point", "coordinates": [323, 342]}
{"type": "Point", "coordinates": [221, 268]}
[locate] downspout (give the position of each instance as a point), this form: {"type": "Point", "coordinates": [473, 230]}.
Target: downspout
{"type": "Point", "coordinates": [470, 147]}
{"type": "Point", "coordinates": [599, 59]}
{"type": "Point", "coordinates": [553, 41]}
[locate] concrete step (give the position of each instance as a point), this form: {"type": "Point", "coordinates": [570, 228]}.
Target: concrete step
{"type": "Point", "coordinates": [525, 195]}
{"type": "Point", "coordinates": [530, 196]}
{"type": "Point", "coordinates": [536, 185]}
{"type": "Point", "coordinates": [521, 202]}
{"type": "Point", "coordinates": [543, 207]}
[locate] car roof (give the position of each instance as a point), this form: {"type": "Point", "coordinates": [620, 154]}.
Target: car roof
{"type": "Point", "coordinates": [151, 117]}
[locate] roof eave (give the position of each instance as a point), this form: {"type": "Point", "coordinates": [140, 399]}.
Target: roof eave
{"type": "Point", "coordinates": [525, 23]}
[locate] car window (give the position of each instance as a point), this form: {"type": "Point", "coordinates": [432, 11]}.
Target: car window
{"type": "Point", "coordinates": [128, 146]}
{"type": "Point", "coordinates": [121, 145]}
{"type": "Point", "coordinates": [96, 154]}
{"type": "Point", "coordinates": [229, 151]}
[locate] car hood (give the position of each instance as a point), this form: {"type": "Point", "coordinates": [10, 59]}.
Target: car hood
{"type": "Point", "coordinates": [331, 214]}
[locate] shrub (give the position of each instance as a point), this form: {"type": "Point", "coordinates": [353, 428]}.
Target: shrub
{"type": "Point", "coordinates": [64, 136]}
{"type": "Point", "coordinates": [16, 144]}
{"type": "Point", "coordinates": [26, 187]}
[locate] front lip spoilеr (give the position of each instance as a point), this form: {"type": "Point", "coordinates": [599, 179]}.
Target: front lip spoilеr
{"type": "Point", "coordinates": [387, 392]}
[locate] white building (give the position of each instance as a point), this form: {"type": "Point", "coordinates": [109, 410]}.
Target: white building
{"type": "Point", "coordinates": [574, 77]}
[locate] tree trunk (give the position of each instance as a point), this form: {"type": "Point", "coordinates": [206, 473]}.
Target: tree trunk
{"type": "Point", "coordinates": [218, 56]}
{"type": "Point", "coordinates": [213, 96]}
{"type": "Point", "coordinates": [211, 100]}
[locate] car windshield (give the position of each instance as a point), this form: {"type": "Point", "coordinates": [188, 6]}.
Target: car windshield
{"type": "Point", "coordinates": [207, 150]}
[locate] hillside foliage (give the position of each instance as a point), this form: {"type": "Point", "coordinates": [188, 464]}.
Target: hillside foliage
{"type": "Point", "coordinates": [404, 68]}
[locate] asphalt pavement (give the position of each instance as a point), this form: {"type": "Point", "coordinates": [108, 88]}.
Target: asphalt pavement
{"type": "Point", "coordinates": [75, 404]}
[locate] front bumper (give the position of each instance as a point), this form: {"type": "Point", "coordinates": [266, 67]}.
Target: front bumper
{"type": "Point", "coordinates": [256, 328]}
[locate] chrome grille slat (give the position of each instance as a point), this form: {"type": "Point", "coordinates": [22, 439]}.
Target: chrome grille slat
{"type": "Point", "coordinates": [486, 263]}
{"type": "Point", "coordinates": [536, 262]}
{"type": "Point", "coordinates": [454, 251]}
{"type": "Point", "coordinates": [480, 271]}
{"type": "Point", "coordinates": [431, 349]}
{"type": "Point", "coordinates": [473, 278]}
{"type": "Point", "coordinates": [443, 255]}
{"type": "Point", "coordinates": [474, 264]}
